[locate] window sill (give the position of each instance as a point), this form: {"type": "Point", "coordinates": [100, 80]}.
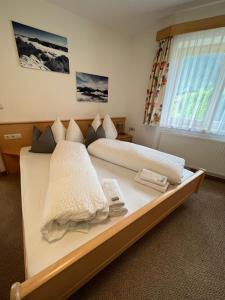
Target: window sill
{"type": "Point", "coordinates": [193, 134]}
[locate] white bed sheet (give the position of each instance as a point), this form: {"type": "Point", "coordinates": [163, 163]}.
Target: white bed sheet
{"type": "Point", "coordinates": [34, 180]}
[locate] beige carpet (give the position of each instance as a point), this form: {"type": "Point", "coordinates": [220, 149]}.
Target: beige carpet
{"type": "Point", "coordinates": [181, 258]}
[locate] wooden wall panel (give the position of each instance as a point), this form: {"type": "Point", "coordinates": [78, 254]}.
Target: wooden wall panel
{"type": "Point", "coordinates": [25, 128]}
{"type": "Point", "coordinates": [10, 149]}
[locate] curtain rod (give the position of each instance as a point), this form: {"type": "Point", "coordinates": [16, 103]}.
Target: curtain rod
{"type": "Point", "coordinates": [197, 25]}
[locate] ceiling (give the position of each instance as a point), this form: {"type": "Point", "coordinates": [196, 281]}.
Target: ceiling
{"type": "Point", "coordinates": [127, 16]}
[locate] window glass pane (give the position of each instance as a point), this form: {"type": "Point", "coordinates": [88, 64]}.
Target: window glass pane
{"type": "Point", "coordinates": [218, 125]}
{"type": "Point", "coordinates": [195, 91]}
{"type": "Point", "coordinates": [198, 88]}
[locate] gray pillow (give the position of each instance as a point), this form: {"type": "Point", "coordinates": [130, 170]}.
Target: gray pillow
{"type": "Point", "coordinates": [100, 132]}
{"type": "Point", "coordinates": [93, 135]}
{"type": "Point", "coordinates": [90, 135]}
{"type": "Point", "coordinates": [42, 142]}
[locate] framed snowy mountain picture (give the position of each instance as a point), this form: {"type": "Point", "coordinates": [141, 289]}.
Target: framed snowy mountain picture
{"type": "Point", "coordinates": [42, 50]}
{"type": "Point", "coordinates": [91, 88]}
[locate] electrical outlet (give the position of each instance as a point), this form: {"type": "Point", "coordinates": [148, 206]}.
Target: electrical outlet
{"type": "Point", "coordinates": [12, 136]}
{"type": "Point", "coordinates": [131, 129]}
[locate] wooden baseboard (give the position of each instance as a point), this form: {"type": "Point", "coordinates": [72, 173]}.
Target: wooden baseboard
{"type": "Point", "coordinates": [208, 176]}
{"type": "Point", "coordinates": [215, 178]}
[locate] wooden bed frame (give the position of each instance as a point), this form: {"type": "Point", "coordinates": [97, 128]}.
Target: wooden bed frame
{"type": "Point", "coordinates": [67, 275]}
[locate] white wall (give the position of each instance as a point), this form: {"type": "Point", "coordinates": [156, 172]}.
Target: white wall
{"type": "Point", "coordinates": [29, 94]}
{"type": "Point", "coordinates": [144, 47]}
{"type": "Point", "coordinates": [143, 51]}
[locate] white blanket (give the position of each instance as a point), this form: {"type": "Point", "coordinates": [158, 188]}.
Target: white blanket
{"type": "Point", "coordinates": [74, 194]}
{"type": "Point", "coordinates": [137, 157]}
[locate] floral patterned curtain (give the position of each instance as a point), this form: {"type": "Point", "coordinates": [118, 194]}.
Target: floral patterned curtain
{"type": "Point", "coordinates": [157, 83]}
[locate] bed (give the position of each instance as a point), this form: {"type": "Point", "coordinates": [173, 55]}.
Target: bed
{"type": "Point", "coordinates": [55, 271]}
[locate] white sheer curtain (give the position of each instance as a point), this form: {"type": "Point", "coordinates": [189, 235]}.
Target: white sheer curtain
{"type": "Point", "coordinates": [195, 92]}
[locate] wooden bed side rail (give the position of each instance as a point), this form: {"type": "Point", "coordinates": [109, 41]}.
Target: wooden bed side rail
{"type": "Point", "coordinates": [67, 275]}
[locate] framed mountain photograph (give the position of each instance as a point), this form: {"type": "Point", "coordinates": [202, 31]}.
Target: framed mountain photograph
{"type": "Point", "coordinates": [42, 50]}
{"type": "Point", "coordinates": [92, 88]}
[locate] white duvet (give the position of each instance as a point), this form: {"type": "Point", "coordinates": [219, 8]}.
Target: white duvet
{"type": "Point", "coordinates": [74, 196]}
{"type": "Point", "coordinates": [137, 157]}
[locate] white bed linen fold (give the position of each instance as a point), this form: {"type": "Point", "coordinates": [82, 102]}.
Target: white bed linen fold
{"type": "Point", "coordinates": [74, 194]}
{"type": "Point", "coordinates": [137, 157]}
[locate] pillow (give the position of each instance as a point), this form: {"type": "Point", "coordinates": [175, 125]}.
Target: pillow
{"type": "Point", "coordinates": [93, 135]}
{"type": "Point", "coordinates": [42, 142]}
{"type": "Point", "coordinates": [100, 132]}
{"type": "Point", "coordinates": [109, 127]}
{"type": "Point", "coordinates": [58, 130]}
{"type": "Point", "coordinates": [90, 135]}
{"type": "Point", "coordinates": [96, 122]}
{"type": "Point", "coordinates": [74, 133]}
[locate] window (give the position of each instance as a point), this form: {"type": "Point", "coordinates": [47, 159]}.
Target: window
{"type": "Point", "coordinates": [195, 92]}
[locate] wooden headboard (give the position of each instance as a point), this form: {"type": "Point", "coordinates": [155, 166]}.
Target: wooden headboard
{"type": "Point", "coordinates": [11, 147]}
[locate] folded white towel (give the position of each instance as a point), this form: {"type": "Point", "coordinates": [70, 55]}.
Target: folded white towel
{"type": "Point", "coordinates": [157, 187]}
{"type": "Point", "coordinates": [116, 212]}
{"type": "Point", "coordinates": [153, 177]}
{"type": "Point", "coordinates": [114, 197]}
{"type": "Point", "coordinates": [112, 192]}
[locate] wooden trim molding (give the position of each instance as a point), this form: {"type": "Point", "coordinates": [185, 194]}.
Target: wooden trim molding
{"type": "Point", "coordinates": [197, 25]}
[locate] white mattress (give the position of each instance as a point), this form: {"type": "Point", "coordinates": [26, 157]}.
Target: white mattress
{"type": "Point", "coordinates": [34, 180]}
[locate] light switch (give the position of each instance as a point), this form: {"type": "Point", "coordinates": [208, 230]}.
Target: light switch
{"type": "Point", "coordinates": [1, 106]}
{"type": "Point", "coordinates": [12, 136]}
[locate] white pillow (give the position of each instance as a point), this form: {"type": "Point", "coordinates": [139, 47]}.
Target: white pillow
{"type": "Point", "coordinates": [109, 127]}
{"type": "Point", "coordinates": [58, 130]}
{"type": "Point", "coordinates": [74, 133]}
{"type": "Point", "coordinates": [96, 122]}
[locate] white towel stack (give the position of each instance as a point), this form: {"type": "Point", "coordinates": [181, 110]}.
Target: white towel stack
{"type": "Point", "coordinates": [152, 179]}
{"type": "Point", "coordinates": [115, 197]}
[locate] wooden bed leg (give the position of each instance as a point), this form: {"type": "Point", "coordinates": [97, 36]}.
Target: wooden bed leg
{"type": "Point", "coordinates": [15, 291]}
